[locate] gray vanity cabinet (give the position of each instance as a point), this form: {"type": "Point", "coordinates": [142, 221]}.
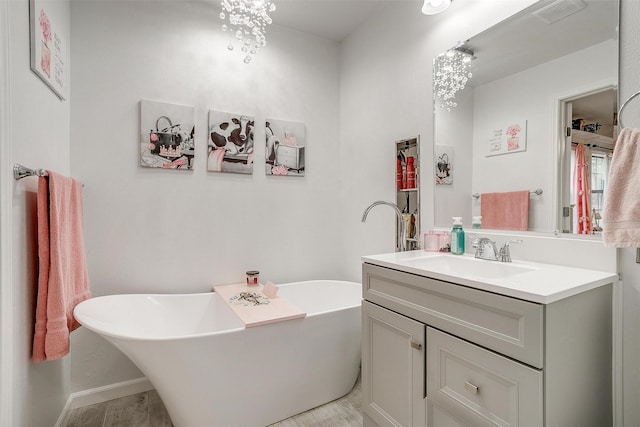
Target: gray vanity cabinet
{"type": "Point", "coordinates": [439, 354]}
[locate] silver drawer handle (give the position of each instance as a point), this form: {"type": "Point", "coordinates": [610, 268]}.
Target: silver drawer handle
{"type": "Point", "coordinates": [471, 388]}
{"type": "Point", "coordinates": [416, 345]}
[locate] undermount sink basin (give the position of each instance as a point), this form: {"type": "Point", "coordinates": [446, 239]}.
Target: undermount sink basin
{"type": "Point", "coordinates": [468, 267]}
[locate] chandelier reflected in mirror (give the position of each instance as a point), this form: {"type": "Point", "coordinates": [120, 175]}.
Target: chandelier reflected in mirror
{"type": "Point", "coordinates": [452, 71]}
{"type": "Point", "coordinates": [247, 21]}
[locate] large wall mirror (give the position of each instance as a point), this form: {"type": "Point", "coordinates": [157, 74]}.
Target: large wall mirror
{"type": "Point", "coordinates": [539, 85]}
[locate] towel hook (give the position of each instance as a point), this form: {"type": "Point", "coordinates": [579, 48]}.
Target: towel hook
{"type": "Point", "coordinates": [624, 104]}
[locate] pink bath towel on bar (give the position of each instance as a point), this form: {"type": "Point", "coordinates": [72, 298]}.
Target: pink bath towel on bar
{"type": "Point", "coordinates": [63, 280]}
{"type": "Point", "coordinates": [621, 212]}
{"type": "Point", "coordinates": [505, 211]}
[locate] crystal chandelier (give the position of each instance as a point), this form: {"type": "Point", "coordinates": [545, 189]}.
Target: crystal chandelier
{"type": "Point", "coordinates": [452, 70]}
{"type": "Point", "coordinates": [247, 20]}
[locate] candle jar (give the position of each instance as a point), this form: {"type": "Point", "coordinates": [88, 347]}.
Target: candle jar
{"type": "Point", "coordinates": [432, 241]}
{"type": "Point", "coordinates": [253, 278]}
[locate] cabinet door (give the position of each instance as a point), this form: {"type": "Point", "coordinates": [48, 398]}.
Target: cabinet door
{"type": "Point", "coordinates": [393, 366]}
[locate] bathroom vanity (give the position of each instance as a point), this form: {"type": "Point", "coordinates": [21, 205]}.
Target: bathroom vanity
{"type": "Point", "coordinates": [456, 341]}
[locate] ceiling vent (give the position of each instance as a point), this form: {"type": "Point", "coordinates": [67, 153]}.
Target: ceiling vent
{"type": "Point", "coordinates": [559, 9]}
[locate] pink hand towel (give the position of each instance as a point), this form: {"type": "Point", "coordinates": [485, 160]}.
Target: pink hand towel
{"type": "Point", "coordinates": [621, 212]}
{"type": "Point", "coordinates": [63, 280]}
{"type": "Point", "coordinates": [505, 211]}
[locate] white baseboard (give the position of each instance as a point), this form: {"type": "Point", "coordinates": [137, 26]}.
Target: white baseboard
{"type": "Point", "coordinates": [92, 396]}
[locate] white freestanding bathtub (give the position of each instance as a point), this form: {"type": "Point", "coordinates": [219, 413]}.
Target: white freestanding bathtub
{"type": "Point", "coordinates": [210, 370]}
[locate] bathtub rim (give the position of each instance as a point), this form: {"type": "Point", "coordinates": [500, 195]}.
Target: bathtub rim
{"type": "Point", "coordinates": [118, 336]}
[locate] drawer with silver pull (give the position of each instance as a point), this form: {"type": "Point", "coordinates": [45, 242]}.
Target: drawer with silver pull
{"type": "Point", "coordinates": [478, 384]}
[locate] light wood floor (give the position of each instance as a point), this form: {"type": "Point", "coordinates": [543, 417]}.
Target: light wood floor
{"type": "Point", "coordinates": [147, 410]}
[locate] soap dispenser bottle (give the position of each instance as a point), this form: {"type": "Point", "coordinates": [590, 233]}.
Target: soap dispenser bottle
{"type": "Point", "coordinates": [476, 222]}
{"type": "Point", "coordinates": [457, 237]}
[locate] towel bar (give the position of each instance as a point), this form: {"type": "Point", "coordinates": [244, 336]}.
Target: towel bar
{"type": "Point", "coordinates": [537, 191]}
{"type": "Point", "coordinates": [20, 172]}
{"type": "Point", "coordinates": [624, 104]}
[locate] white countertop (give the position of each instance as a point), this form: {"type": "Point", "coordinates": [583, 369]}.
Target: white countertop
{"type": "Point", "coordinates": [530, 281]}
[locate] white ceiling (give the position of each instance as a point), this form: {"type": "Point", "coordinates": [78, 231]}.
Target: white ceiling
{"type": "Point", "coordinates": [529, 41]}
{"type": "Point", "coordinates": [330, 19]}
{"type": "Point", "coordinates": [336, 19]}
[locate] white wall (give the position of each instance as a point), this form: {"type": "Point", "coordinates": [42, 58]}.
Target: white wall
{"type": "Point", "coordinates": [6, 221]}
{"type": "Point", "coordinates": [151, 230]}
{"type": "Point", "coordinates": [536, 166]}
{"type": "Point", "coordinates": [455, 129]}
{"type": "Point", "coordinates": [39, 138]}
{"type": "Point", "coordinates": [630, 84]}
{"type": "Point", "coordinates": [386, 95]}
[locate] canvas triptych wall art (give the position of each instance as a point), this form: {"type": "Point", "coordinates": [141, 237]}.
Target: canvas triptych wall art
{"type": "Point", "coordinates": [167, 139]}
{"type": "Point", "coordinates": [168, 131]}
{"type": "Point", "coordinates": [230, 142]}
{"type": "Point", "coordinates": [285, 148]}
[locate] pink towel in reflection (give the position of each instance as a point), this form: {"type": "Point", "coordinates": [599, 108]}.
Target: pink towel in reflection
{"type": "Point", "coordinates": [621, 213]}
{"type": "Point", "coordinates": [505, 211]}
{"type": "Point", "coordinates": [63, 280]}
{"type": "Point", "coordinates": [582, 189]}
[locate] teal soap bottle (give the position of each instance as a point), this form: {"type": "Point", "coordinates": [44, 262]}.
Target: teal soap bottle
{"type": "Point", "coordinates": [457, 237]}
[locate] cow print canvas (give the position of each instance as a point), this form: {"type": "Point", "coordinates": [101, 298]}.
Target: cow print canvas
{"type": "Point", "coordinates": [230, 142]}
{"type": "Point", "coordinates": [285, 148]}
{"type": "Point", "coordinates": [167, 135]}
